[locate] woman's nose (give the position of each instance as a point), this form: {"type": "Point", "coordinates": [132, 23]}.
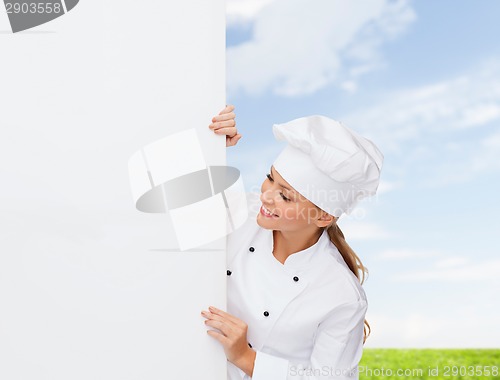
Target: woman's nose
{"type": "Point", "coordinates": [263, 197]}
{"type": "Point", "coordinates": [268, 197]}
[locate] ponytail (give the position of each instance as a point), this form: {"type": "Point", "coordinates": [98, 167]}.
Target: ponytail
{"type": "Point", "coordinates": [352, 260]}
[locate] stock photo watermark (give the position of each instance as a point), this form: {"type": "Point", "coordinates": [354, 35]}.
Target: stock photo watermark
{"type": "Point", "coordinates": [443, 371]}
{"type": "Point", "coordinates": [431, 371]}
{"type": "Point", "coordinates": [27, 14]}
{"type": "Point", "coordinates": [296, 202]}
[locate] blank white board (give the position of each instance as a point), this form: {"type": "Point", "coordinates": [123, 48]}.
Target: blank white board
{"type": "Point", "coordinates": [91, 288]}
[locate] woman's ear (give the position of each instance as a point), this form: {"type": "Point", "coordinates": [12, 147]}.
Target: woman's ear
{"type": "Point", "coordinates": [326, 219]}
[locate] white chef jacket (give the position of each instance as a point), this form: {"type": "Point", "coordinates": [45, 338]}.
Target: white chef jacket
{"type": "Point", "coordinates": [305, 317]}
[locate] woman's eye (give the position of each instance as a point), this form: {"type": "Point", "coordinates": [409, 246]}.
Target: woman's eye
{"type": "Point", "coordinates": [282, 195]}
{"type": "Point", "coordinates": [285, 198]}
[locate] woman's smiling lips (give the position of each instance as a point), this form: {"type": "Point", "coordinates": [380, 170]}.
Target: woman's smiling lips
{"type": "Point", "coordinates": [264, 211]}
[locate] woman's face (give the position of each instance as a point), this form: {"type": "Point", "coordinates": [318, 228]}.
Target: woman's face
{"type": "Point", "coordinates": [291, 211]}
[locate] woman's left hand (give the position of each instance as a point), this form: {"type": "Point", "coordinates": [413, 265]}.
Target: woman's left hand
{"type": "Point", "coordinates": [225, 124]}
{"type": "Point", "coordinates": [233, 337]}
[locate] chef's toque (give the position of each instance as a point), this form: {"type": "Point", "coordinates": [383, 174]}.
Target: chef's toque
{"type": "Point", "coordinates": [328, 163]}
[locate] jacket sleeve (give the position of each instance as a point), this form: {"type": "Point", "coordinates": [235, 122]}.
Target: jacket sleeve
{"type": "Point", "coordinates": [337, 350]}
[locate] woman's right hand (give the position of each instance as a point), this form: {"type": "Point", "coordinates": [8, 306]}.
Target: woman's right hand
{"type": "Point", "coordinates": [225, 124]}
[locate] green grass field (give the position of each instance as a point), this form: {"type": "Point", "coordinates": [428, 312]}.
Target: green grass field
{"type": "Point", "coordinates": [433, 364]}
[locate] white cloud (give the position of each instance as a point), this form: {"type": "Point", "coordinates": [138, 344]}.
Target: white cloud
{"type": "Point", "coordinates": [355, 230]}
{"type": "Point", "coordinates": [453, 105]}
{"type": "Point", "coordinates": [298, 48]}
{"type": "Point", "coordinates": [475, 157]}
{"type": "Point", "coordinates": [244, 11]}
{"type": "Point", "coordinates": [492, 141]}
{"type": "Point", "coordinates": [473, 328]}
{"type": "Point", "coordinates": [451, 262]}
{"type": "Point", "coordinates": [429, 130]}
{"type": "Point", "coordinates": [409, 330]}
{"type": "Point", "coordinates": [349, 86]}
{"type": "Point", "coordinates": [480, 114]}
{"type": "Point", "coordinates": [404, 254]}
{"type": "Point", "coordinates": [486, 270]}
{"type": "Point", "coordinates": [387, 186]}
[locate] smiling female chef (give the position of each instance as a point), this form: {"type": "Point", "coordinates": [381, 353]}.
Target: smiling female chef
{"type": "Point", "coordinates": [296, 308]}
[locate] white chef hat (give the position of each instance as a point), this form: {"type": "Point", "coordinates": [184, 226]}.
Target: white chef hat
{"type": "Point", "coordinates": [328, 163]}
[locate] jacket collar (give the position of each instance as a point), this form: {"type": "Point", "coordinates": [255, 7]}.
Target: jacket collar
{"type": "Point", "coordinates": [300, 259]}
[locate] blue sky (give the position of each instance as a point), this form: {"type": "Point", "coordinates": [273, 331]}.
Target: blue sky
{"type": "Point", "coordinates": [422, 80]}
